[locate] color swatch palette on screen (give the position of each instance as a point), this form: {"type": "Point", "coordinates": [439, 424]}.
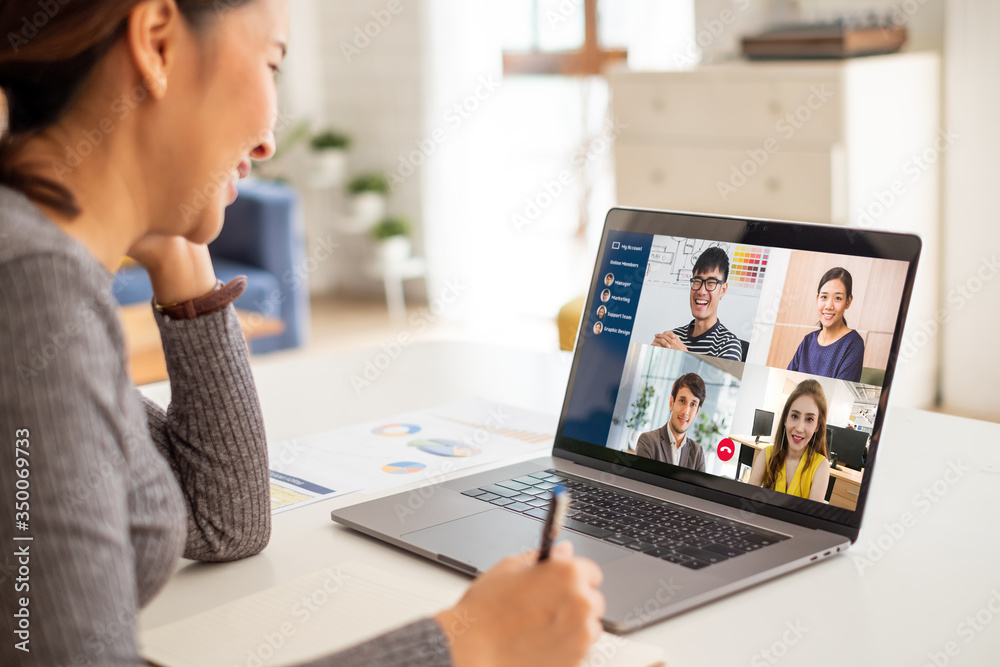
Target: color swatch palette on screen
{"type": "Point", "coordinates": [748, 266]}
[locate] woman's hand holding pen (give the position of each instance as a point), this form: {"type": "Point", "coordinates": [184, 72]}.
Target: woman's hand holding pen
{"type": "Point", "coordinates": [524, 612]}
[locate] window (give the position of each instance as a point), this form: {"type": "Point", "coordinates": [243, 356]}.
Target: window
{"type": "Point", "coordinates": [567, 37]}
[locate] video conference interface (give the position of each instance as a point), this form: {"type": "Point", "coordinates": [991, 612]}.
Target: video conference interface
{"type": "Point", "coordinates": [758, 364]}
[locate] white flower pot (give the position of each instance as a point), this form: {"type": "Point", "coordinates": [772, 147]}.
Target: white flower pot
{"type": "Point", "coordinates": [327, 168]}
{"type": "Point", "coordinates": [367, 208]}
{"type": "Point", "coordinates": [394, 249]}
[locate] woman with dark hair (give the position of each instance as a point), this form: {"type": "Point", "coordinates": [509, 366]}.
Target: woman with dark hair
{"type": "Point", "coordinates": [796, 464]}
{"type": "Point", "coordinates": [834, 350]}
{"type": "Point", "coordinates": [129, 124]}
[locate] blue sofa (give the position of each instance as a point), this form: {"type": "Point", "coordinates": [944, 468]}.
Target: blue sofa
{"type": "Point", "coordinates": [263, 238]}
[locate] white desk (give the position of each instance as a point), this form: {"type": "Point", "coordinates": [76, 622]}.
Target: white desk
{"type": "Point", "coordinates": [910, 601]}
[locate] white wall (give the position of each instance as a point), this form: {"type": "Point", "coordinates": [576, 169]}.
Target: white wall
{"type": "Point", "coordinates": [373, 94]}
{"type": "Point", "coordinates": [377, 96]}
{"type": "Point", "coordinates": [303, 67]}
{"type": "Point", "coordinates": [971, 288]}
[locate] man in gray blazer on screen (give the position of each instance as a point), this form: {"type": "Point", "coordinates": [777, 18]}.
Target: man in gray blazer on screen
{"type": "Point", "coordinates": [670, 443]}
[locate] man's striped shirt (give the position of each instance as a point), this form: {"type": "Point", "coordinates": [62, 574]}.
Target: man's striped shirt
{"type": "Point", "coordinates": [716, 342]}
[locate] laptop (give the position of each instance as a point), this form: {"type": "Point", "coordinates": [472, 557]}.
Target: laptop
{"type": "Point", "coordinates": [693, 325]}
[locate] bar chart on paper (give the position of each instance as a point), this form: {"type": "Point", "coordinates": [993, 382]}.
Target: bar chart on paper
{"type": "Point", "coordinates": [530, 437]}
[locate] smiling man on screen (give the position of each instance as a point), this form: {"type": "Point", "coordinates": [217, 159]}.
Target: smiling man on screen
{"type": "Point", "coordinates": [705, 333]}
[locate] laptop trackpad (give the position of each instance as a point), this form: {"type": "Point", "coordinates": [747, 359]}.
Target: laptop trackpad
{"type": "Point", "coordinates": [483, 539]}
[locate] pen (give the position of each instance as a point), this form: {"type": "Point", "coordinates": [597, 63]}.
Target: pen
{"type": "Point", "coordinates": [553, 521]}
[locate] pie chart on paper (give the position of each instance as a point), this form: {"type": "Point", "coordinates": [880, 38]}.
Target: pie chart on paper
{"type": "Point", "coordinates": [403, 467]}
{"type": "Point", "coordinates": [395, 430]}
{"type": "Point", "coordinates": [449, 448]}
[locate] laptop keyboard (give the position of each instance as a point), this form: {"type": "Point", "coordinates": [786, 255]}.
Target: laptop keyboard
{"type": "Point", "coordinates": [664, 530]}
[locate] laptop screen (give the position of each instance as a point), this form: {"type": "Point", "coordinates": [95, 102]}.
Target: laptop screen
{"type": "Point", "coordinates": [695, 325]}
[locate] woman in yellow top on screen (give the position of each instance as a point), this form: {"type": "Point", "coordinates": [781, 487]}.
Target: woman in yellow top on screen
{"type": "Point", "coordinates": [835, 350]}
{"type": "Point", "coordinates": [800, 452]}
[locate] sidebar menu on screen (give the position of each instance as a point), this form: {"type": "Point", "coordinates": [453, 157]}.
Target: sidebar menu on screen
{"type": "Point", "coordinates": [607, 329]}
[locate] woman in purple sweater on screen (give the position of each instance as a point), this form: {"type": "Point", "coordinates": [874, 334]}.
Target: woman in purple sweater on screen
{"type": "Point", "coordinates": [835, 350]}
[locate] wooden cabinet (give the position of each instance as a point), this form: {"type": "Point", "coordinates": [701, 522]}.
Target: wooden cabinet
{"type": "Point", "coordinates": [845, 492]}
{"type": "Point", "coordinates": [649, 176]}
{"type": "Point", "coordinates": [850, 142]}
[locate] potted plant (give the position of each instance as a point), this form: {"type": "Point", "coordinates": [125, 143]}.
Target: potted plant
{"type": "Point", "coordinates": [393, 237]}
{"type": "Point", "coordinates": [368, 198]}
{"type": "Point", "coordinates": [639, 414]}
{"type": "Point", "coordinates": [328, 158]}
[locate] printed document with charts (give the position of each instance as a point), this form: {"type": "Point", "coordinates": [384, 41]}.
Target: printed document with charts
{"type": "Point", "coordinates": [412, 447]}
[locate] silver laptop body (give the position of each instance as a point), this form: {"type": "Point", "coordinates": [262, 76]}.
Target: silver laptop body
{"type": "Point", "coordinates": [770, 289]}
